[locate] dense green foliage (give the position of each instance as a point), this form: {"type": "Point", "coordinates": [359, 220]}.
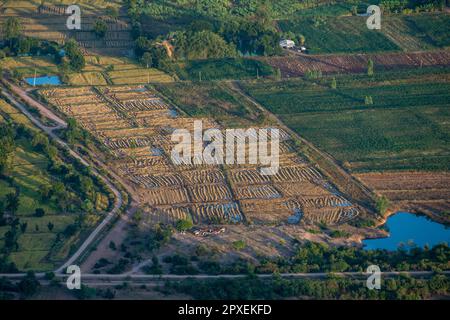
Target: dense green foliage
{"type": "Point", "coordinates": [252, 288]}
{"type": "Point", "coordinates": [314, 257]}
{"type": "Point", "coordinates": [100, 28]}
{"type": "Point", "coordinates": [404, 127]}
{"type": "Point", "coordinates": [75, 56]}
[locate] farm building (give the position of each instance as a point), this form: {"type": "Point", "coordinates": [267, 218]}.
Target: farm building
{"type": "Point", "coordinates": [287, 44]}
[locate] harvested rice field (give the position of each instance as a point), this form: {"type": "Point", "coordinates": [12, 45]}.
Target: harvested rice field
{"type": "Point", "coordinates": [135, 124]}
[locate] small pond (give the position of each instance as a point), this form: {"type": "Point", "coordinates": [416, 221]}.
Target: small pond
{"type": "Point", "coordinates": [407, 229]}
{"type": "Point", "coordinates": [44, 80]}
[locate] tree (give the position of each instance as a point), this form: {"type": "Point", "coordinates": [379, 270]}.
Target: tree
{"type": "Point", "coordinates": [333, 83]}
{"type": "Point", "coordinates": [50, 226]}
{"type": "Point", "coordinates": [184, 224]}
{"type": "Point", "coordinates": [12, 203]}
{"type": "Point", "coordinates": [40, 142]}
{"type": "Point", "coordinates": [7, 148]}
{"type": "Point", "coordinates": [370, 67]}
{"type": "Point", "coordinates": [112, 245]}
{"type": "Point", "coordinates": [100, 28]}
{"type": "Point", "coordinates": [301, 39]}
{"type": "Point", "coordinates": [29, 285]}
{"type": "Point", "coordinates": [87, 206]}
{"type": "Point", "coordinates": [39, 212]}
{"type": "Point", "coordinates": [147, 59]}
{"type": "Point", "coordinates": [23, 227]}
{"type": "Point", "coordinates": [11, 239]}
{"type": "Point", "coordinates": [382, 204]}
{"type": "Point", "coordinates": [239, 244]}
{"type": "Point", "coordinates": [75, 56]}
{"type": "Point", "coordinates": [12, 29]}
{"type": "Point", "coordinates": [112, 12]}
{"type": "Point", "coordinates": [278, 74]}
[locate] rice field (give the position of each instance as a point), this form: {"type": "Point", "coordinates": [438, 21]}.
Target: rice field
{"type": "Point", "coordinates": [135, 125]}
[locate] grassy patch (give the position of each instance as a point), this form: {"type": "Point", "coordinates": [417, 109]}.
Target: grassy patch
{"type": "Point", "coordinates": [220, 69]}
{"type": "Point", "coordinates": [341, 34]}
{"type": "Point", "coordinates": [433, 29]}
{"type": "Point", "coordinates": [213, 100]}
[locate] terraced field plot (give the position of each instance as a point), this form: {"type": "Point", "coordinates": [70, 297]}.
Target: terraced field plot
{"type": "Point", "coordinates": [295, 66]}
{"type": "Point", "coordinates": [135, 124]}
{"type": "Point", "coordinates": [99, 70]}
{"type": "Point", "coordinates": [406, 127]}
{"type": "Point", "coordinates": [48, 22]}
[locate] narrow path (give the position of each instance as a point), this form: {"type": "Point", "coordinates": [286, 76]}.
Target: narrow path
{"type": "Point", "coordinates": [140, 279]}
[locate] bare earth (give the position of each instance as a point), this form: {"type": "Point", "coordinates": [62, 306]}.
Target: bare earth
{"type": "Point", "coordinates": [298, 64]}
{"type": "Point", "coordinates": [424, 192]}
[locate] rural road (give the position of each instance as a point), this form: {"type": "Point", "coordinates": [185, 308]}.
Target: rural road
{"type": "Point", "coordinates": [95, 280]}
{"type": "Point", "coordinates": [49, 131]}
{"type": "Point", "coordinates": [42, 109]}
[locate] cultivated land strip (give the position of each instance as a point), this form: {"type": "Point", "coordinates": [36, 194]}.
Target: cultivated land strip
{"type": "Point", "coordinates": [298, 64]}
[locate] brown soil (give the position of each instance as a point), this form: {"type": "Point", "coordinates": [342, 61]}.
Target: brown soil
{"type": "Point", "coordinates": [298, 65]}
{"type": "Point", "coordinates": [420, 192]}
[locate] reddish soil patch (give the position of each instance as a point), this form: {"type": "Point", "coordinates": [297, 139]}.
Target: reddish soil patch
{"type": "Point", "coordinates": [298, 65]}
{"type": "Point", "coordinates": [424, 192]}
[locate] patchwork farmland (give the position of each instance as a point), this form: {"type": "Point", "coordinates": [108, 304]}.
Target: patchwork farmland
{"type": "Point", "coordinates": [404, 128]}
{"type": "Point", "coordinates": [48, 22]}
{"type": "Point", "coordinates": [135, 124]}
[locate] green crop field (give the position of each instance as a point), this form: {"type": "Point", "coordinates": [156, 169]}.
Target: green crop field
{"type": "Point", "coordinates": [335, 35]}
{"type": "Point", "coordinates": [220, 69]}
{"type": "Point", "coordinates": [406, 127]}
{"type": "Point", "coordinates": [419, 31]}
{"type": "Point", "coordinates": [213, 100]}
{"type": "Point", "coordinates": [433, 29]}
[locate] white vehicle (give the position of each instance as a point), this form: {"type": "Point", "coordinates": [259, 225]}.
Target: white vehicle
{"type": "Point", "coordinates": [287, 44]}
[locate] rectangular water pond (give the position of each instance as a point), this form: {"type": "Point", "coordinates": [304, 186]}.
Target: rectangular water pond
{"type": "Point", "coordinates": [44, 80]}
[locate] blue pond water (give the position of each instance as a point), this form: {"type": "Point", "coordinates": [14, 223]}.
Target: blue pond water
{"type": "Point", "coordinates": [406, 228]}
{"type": "Point", "coordinates": [45, 80]}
